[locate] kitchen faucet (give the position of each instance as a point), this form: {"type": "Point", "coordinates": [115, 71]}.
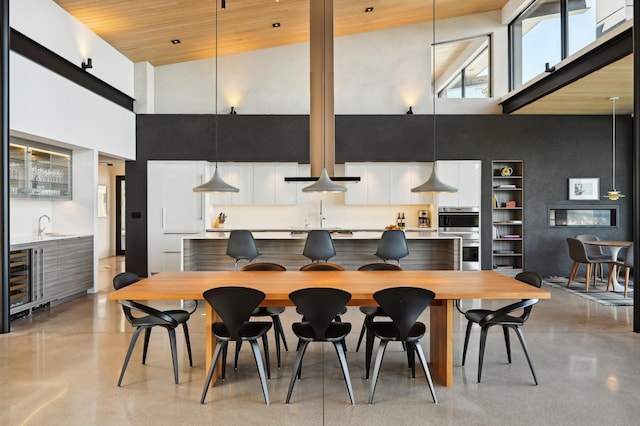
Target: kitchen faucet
{"type": "Point", "coordinates": [321, 217]}
{"type": "Point", "coordinates": [40, 227]}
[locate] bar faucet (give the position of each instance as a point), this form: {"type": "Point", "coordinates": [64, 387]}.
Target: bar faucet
{"type": "Point", "coordinates": [321, 217]}
{"type": "Point", "coordinates": [40, 227]}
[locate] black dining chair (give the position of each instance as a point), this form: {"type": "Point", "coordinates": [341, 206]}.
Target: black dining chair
{"type": "Point", "coordinates": [267, 311]}
{"type": "Point", "coordinates": [169, 319]}
{"type": "Point", "coordinates": [319, 246]}
{"type": "Point", "coordinates": [487, 318]}
{"type": "Point", "coordinates": [319, 306]}
{"type": "Point", "coordinates": [324, 266]}
{"type": "Point", "coordinates": [404, 305]}
{"type": "Point", "coordinates": [242, 246]}
{"type": "Point", "coordinates": [371, 312]}
{"type": "Point", "coordinates": [235, 305]}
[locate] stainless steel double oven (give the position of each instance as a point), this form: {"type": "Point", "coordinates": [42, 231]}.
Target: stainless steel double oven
{"type": "Point", "coordinates": [463, 221]}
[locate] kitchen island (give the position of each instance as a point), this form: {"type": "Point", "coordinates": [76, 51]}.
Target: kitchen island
{"type": "Point", "coordinates": [428, 250]}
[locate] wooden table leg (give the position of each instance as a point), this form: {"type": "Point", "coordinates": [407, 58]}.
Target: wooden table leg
{"type": "Point", "coordinates": [441, 351]}
{"type": "Point", "coordinates": [210, 342]}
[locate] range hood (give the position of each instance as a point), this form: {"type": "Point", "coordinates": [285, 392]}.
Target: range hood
{"type": "Point", "coordinates": [321, 115]}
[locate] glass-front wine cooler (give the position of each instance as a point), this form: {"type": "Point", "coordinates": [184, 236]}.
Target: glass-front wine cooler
{"type": "Point", "coordinates": [19, 278]}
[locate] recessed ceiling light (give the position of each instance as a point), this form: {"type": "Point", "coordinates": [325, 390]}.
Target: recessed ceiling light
{"type": "Point", "coordinates": [369, 9]}
{"type": "Point", "coordinates": [275, 24]}
{"type": "Point", "coordinates": [175, 41]}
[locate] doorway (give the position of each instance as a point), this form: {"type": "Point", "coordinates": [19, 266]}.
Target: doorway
{"type": "Point", "coordinates": [120, 229]}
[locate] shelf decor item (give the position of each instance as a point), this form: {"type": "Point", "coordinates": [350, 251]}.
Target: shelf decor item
{"type": "Point", "coordinates": [584, 188]}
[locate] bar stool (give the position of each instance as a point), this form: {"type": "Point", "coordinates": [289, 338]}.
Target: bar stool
{"type": "Point", "coordinates": [242, 246]}
{"type": "Point", "coordinates": [392, 245]}
{"type": "Point", "coordinates": [319, 246]}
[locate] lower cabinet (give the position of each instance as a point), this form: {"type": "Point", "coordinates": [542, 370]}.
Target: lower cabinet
{"type": "Point", "coordinates": [60, 269]}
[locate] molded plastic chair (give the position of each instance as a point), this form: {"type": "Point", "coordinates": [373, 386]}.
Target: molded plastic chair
{"type": "Point", "coordinates": [169, 319]}
{"type": "Point", "coordinates": [267, 311]}
{"type": "Point", "coordinates": [627, 262]}
{"type": "Point", "coordinates": [235, 305]}
{"type": "Point", "coordinates": [319, 307]}
{"type": "Point", "coordinates": [242, 246]}
{"type": "Point", "coordinates": [578, 253]}
{"type": "Point", "coordinates": [595, 253]}
{"type": "Point", "coordinates": [404, 305]}
{"type": "Point", "coordinates": [487, 318]}
{"type": "Point", "coordinates": [392, 245]}
{"type": "Point", "coordinates": [370, 312]}
{"type": "Point", "coordinates": [319, 246]}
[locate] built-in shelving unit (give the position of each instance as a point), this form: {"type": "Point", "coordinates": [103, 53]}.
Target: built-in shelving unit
{"type": "Point", "coordinates": [508, 215]}
{"type": "Point", "coordinates": [39, 171]}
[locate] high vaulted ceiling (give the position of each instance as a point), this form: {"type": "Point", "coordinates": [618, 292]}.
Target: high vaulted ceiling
{"type": "Point", "coordinates": [142, 30]}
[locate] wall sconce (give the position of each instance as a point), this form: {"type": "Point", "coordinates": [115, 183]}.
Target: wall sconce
{"type": "Point", "coordinates": [233, 111]}
{"type": "Point", "coordinates": [410, 111]}
{"type": "Point", "coordinates": [86, 65]}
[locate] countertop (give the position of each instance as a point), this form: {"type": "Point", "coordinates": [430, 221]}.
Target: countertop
{"type": "Point", "coordinates": [54, 236]}
{"type": "Point", "coordinates": [288, 234]}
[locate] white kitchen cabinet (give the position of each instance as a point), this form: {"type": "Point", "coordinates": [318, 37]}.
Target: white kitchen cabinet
{"type": "Point", "coordinates": [466, 176]}
{"type": "Point", "coordinates": [374, 183]}
{"type": "Point", "coordinates": [387, 183]}
{"type": "Point", "coordinates": [173, 209]}
{"type": "Point", "coordinates": [269, 186]}
{"type": "Point", "coordinates": [239, 175]}
{"type": "Point", "coordinates": [403, 177]}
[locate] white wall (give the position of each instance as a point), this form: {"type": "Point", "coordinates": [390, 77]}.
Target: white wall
{"type": "Point", "coordinates": [106, 228]}
{"type": "Point", "coordinates": [53, 27]}
{"type": "Point", "coordinates": [380, 72]}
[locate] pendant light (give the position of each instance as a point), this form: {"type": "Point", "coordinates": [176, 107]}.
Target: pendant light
{"type": "Point", "coordinates": [614, 194]}
{"type": "Point", "coordinates": [216, 183]}
{"type": "Point", "coordinates": [324, 182]}
{"type": "Point", "coordinates": [434, 184]}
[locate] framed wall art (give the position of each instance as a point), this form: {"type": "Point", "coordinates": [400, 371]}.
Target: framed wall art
{"type": "Point", "coordinates": [584, 188]}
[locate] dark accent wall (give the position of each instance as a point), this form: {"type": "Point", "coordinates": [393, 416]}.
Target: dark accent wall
{"type": "Point", "coordinates": [554, 148]}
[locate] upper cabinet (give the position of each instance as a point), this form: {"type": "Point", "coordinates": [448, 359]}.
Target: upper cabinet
{"type": "Point", "coordinates": [466, 176]}
{"type": "Point", "coordinates": [39, 171]}
{"type": "Point", "coordinates": [387, 183]}
{"type": "Point", "coordinates": [259, 183]}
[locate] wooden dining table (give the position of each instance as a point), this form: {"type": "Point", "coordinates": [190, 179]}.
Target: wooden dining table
{"type": "Point", "coordinates": [447, 285]}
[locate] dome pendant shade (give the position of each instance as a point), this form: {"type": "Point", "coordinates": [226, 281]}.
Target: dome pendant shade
{"type": "Point", "coordinates": [434, 184]}
{"type": "Point", "coordinates": [216, 184]}
{"type": "Point", "coordinates": [324, 184]}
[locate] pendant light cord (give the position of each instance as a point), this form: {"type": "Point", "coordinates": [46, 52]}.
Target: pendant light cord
{"type": "Point", "coordinates": [216, 84]}
{"type": "Point", "coordinates": [433, 79]}
{"type": "Point", "coordinates": [613, 141]}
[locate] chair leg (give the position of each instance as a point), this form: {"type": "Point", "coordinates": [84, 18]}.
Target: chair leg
{"type": "Point", "coordinates": [526, 352]}
{"type": "Point", "coordinates": [265, 344]}
{"type": "Point", "coordinates": [588, 277]}
{"type": "Point", "coordinates": [425, 368]}
{"type": "Point", "coordinates": [276, 335]}
{"type": "Point", "coordinates": [574, 272]}
{"type": "Point", "coordinates": [147, 336]}
{"type": "Point", "coordinates": [224, 362]}
{"type": "Point", "coordinates": [302, 347]}
{"type": "Point", "coordinates": [627, 270]}
{"type": "Point", "coordinates": [367, 320]}
{"type": "Point", "coordinates": [174, 351]}
{"type": "Point", "coordinates": [466, 341]}
{"type": "Point", "coordinates": [483, 342]}
{"type": "Point", "coordinates": [256, 355]}
{"type": "Point", "coordinates": [132, 344]}
{"type": "Point", "coordinates": [235, 360]}
{"type": "Point", "coordinates": [411, 359]}
{"type": "Point", "coordinates": [369, 338]}
{"type": "Point", "coordinates": [188, 341]}
{"type": "Point", "coordinates": [507, 342]}
{"type": "Point", "coordinates": [345, 368]}
{"type": "Point", "coordinates": [277, 325]}
{"type": "Point", "coordinates": [220, 348]}
{"type": "Point", "coordinates": [376, 368]}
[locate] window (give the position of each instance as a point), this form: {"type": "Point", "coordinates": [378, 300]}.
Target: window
{"type": "Point", "coordinates": [463, 68]}
{"type": "Point", "coordinates": [550, 30]}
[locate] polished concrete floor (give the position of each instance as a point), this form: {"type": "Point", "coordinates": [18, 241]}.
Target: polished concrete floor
{"type": "Point", "coordinates": [60, 367]}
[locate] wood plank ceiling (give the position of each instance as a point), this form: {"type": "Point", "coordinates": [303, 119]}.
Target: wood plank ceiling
{"type": "Point", "coordinates": [142, 30]}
